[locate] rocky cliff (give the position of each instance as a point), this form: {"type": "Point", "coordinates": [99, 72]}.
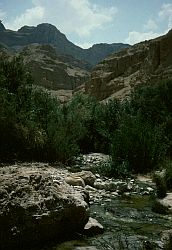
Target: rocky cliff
{"type": "Point", "coordinates": [149, 61]}
{"type": "Point", "coordinates": [48, 34]}
{"type": "Point", "coordinates": [54, 71]}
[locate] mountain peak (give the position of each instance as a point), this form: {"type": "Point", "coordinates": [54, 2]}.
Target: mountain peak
{"type": "Point", "coordinates": [26, 29]}
{"type": "Point", "coordinates": [46, 33]}
{"type": "Point", "coordinates": [47, 26]}
{"type": "Point", "coordinates": [2, 27]}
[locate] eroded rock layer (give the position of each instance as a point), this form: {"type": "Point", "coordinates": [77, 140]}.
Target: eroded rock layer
{"type": "Point", "coordinates": [149, 61]}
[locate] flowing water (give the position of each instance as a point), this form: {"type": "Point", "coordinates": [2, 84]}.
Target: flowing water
{"type": "Point", "coordinates": [129, 224]}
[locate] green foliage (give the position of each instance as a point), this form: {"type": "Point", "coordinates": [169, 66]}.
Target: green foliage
{"type": "Point", "coordinates": [105, 168]}
{"type": "Point", "coordinates": [161, 188]}
{"type": "Point", "coordinates": [121, 169]}
{"type": "Point", "coordinates": [99, 124]}
{"type": "Point", "coordinates": [13, 74]}
{"type": "Point", "coordinates": [139, 144]}
{"type": "Point", "coordinates": [168, 174]}
{"type": "Point", "coordinates": [35, 125]}
{"type": "Point", "coordinates": [168, 244]}
{"type": "Point", "coordinates": [159, 208]}
{"type": "Point", "coordinates": [153, 101]}
{"type": "Point", "coordinates": [8, 139]}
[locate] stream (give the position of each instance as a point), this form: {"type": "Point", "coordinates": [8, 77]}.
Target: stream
{"type": "Point", "coordinates": [129, 224]}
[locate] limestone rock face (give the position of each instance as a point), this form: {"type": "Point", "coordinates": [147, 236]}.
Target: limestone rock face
{"type": "Point", "coordinates": [148, 61]}
{"type": "Point", "coordinates": [52, 70]}
{"type": "Point", "coordinates": [37, 206]}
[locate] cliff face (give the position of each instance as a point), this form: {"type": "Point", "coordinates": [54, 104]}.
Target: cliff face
{"type": "Point", "coordinates": [53, 71]}
{"type": "Point", "coordinates": [48, 34]}
{"type": "Point", "coordinates": [100, 51]}
{"type": "Point", "coordinates": [143, 62]}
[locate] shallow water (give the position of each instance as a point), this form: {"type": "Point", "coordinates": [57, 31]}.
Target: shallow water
{"type": "Point", "coordinates": [129, 224]}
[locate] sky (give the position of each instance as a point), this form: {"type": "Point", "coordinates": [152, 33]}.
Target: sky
{"type": "Point", "coordinates": [86, 22]}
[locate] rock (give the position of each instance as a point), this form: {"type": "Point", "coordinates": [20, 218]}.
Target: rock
{"type": "Point", "coordinates": [100, 185]}
{"type": "Point", "coordinates": [93, 227]}
{"type": "Point", "coordinates": [89, 188]}
{"type": "Point", "coordinates": [110, 186]}
{"type": "Point", "coordinates": [150, 190]}
{"type": "Point", "coordinates": [55, 72]}
{"type": "Point", "coordinates": [48, 34]}
{"type": "Point", "coordinates": [75, 181]}
{"type": "Point", "coordinates": [92, 161]}
{"type": "Point", "coordinates": [37, 206]}
{"type": "Point", "coordinates": [145, 193]}
{"type": "Point", "coordinates": [122, 187]}
{"type": "Point", "coordinates": [86, 248]}
{"type": "Point", "coordinates": [88, 177]}
{"type": "Point", "coordinates": [118, 74]}
{"type": "Point", "coordinates": [166, 202]}
{"type": "Point", "coordinates": [166, 237]}
{"type": "Point", "coordinates": [130, 186]}
{"type": "Point", "coordinates": [97, 175]}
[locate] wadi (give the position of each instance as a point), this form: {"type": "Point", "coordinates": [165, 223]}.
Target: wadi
{"type": "Point", "coordinates": [86, 142]}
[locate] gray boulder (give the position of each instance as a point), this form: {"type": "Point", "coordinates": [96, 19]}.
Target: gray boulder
{"type": "Point", "coordinates": [37, 206]}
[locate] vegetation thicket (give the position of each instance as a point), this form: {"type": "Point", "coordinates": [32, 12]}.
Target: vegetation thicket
{"type": "Point", "coordinates": [34, 125]}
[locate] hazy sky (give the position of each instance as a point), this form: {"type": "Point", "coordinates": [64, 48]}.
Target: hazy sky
{"type": "Point", "coordinates": [86, 22]}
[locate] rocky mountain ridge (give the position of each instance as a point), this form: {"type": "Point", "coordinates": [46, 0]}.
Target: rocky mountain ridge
{"type": "Point", "coordinates": [116, 76]}
{"type": "Point", "coordinates": [48, 34]}
{"type": "Point", "coordinates": [59, 74]}
{"type": "Point", "coordinates": [54, 62]}
{"type": "Point", "coordinates": [53, 71]}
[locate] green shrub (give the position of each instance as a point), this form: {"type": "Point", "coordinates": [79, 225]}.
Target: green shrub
{"type": "Point", "coordinates": [105, 168]}
{"type": "Point", "coordinates": [153, 101]}
{"type": "Point", "coordinates": [168, 244]}
{"type": "Point", "coordinates": [13, 74]}
{"type": "Point", "coordinates": [161, 188]}
{"type": "Point", "coordinates": [168, 175]}
{"type": "Point", "coordinates": [34, 125]}
{"type": "Point", "coordinates": [138, 143]}
{"type": "Point", "coordinates": [159, 208]}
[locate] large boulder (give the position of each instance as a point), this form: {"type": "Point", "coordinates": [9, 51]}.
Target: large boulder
{"type": "Point", "coordinates": [88, 177]}
{"type": "Point", "coordinates": [75, 181]}
{"type": "Point", "coordinates": [166, 203]}
{"type": "Point", "coordinates": [37, 206]}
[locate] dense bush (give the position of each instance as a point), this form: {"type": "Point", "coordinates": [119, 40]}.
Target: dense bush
{"type": "Point", "coordinates": [161, 188]}
{"type": "Point", "coordinates": [168, 174]}
{"type": "Point", "coordinates": [139, 144]}
{"type": "Point", "coordinates": [159, 208]}
{"type": "Point", "coordinates": [34, 125]}
{"type": "Point", "coordinates": [100, 123]}
{"type": "Point", "coordinates": [168, 244]}
{"type": "Point", "coordinates": [153, 101]}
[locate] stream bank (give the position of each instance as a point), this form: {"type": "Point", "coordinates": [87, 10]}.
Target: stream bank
{"type": "Point", "coordinates": [49, 205]}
